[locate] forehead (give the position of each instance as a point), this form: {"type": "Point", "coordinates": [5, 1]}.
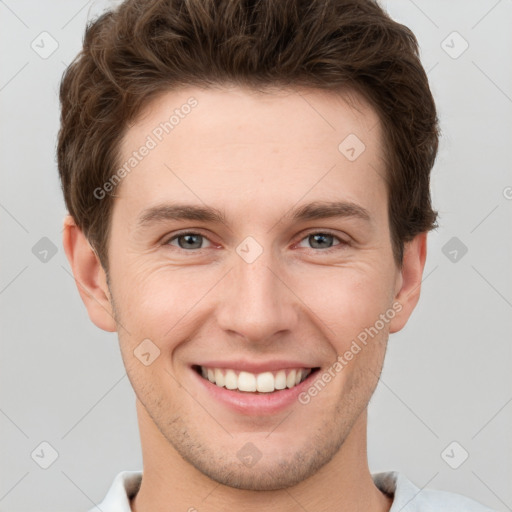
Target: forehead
{"type": "Point", "coordinates": [227, 146]}
{"type": "Point", "coordinates": [275, 115]}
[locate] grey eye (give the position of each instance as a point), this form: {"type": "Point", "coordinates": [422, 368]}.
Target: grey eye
{"type": "Point", "coordinates": [321, 240]}
{"type": "Point", "coordinates": [188, 241]}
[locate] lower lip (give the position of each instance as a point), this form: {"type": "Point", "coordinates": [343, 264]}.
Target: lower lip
{"type": "Point", "coordinates": [256, 404]}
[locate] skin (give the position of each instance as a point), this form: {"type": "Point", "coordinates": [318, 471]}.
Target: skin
{"type": "Point", "coordinates": [253, 156]}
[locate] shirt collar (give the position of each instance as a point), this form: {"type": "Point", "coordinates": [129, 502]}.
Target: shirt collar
{"type": "Point", "coordinates": [407, 497]}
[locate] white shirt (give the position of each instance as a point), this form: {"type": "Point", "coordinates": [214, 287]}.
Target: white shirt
{"type": "Point", "coordinates": [406, 496]}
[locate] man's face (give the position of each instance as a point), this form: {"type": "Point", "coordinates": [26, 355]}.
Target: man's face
{"type": "Point", "coordinates": [261, 290]}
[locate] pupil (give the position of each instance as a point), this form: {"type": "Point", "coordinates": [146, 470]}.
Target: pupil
{"type": "Point", "coordinates": [318, 239]}
{"type": "Point", "coordinates": [191, 241]}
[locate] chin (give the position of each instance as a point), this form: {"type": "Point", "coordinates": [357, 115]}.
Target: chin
{"type": "Point", "coordinates": [272, 471]}
{"type": "Point", "coordinates": [272, 476]}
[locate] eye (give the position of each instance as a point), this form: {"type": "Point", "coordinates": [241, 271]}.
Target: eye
{"type": "Point", "coordinates": [188, 241]}
{"type": "Point", "coordinates": [321, 240]}
{"type": "Point", "coordinates": [195, 241]}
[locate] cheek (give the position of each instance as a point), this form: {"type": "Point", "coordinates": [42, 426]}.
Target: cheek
{"type": "Point", "coordinates": [157, 302]}
{"type": "Point", "coordinates": [346, 299]}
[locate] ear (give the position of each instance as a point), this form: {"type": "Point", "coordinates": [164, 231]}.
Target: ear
{"type": "Point", "coordinates": [408, 283]}
{"type": "Point", "coordinates": [90, 277]}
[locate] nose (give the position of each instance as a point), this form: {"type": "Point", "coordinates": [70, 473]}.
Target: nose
{"type": "Point", "coordinates": [256, 302]}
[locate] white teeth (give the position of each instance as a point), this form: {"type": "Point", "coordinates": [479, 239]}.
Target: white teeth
{"type": "Point", "coordinates": [219, 378]}
{"type": "Point", "coordinates": [231, 380]}
{"type": "Point", "coordinates": [246, 381]}
{"type": "Point", "coordinates": [290, 380]}
{"type": "Point", "coordinates": [280, 380]}
{"type": "Point", "coordinates": [265, 382]}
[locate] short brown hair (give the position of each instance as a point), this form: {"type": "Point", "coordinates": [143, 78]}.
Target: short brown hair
{"type": "Point", "coordinates": [146, 47]}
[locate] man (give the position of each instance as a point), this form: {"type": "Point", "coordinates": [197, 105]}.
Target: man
{"type": "Point", "coordinates": [248, 196]}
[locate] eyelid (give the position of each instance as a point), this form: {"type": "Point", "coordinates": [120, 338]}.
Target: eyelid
{"type": "Point", "coordinates": [303, 236]}
{"type": "Point", "coordinates": [310, 232]}
{"type": "Point", "coordinates": [168, 239]}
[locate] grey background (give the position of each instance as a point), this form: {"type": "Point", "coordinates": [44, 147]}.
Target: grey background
{"type": "Point", "coordinates": [447, 375]}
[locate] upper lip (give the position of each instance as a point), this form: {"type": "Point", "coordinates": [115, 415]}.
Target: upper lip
{"type": "Point", "coordinates": [255, 367]}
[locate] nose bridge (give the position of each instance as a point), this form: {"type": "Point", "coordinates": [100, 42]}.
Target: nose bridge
{"type": "Point", "coordinates": [255, 302]}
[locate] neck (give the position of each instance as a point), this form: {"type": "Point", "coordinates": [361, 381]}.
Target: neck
{"type": "Point", "coordinates": [172, 484]}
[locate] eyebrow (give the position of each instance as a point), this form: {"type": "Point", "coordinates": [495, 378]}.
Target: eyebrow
{"type": "Point", "coordinates": [312, 211]}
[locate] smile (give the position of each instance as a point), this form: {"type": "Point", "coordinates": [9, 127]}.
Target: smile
{"type": "Point", "coordinates": [266, 382]}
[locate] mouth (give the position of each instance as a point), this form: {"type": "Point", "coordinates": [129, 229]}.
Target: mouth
{"type": "Point", "coordinates": [267, 382]}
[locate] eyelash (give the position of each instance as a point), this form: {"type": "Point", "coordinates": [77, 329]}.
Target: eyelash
{"type": "Point", "coordinates": [342, 243]}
